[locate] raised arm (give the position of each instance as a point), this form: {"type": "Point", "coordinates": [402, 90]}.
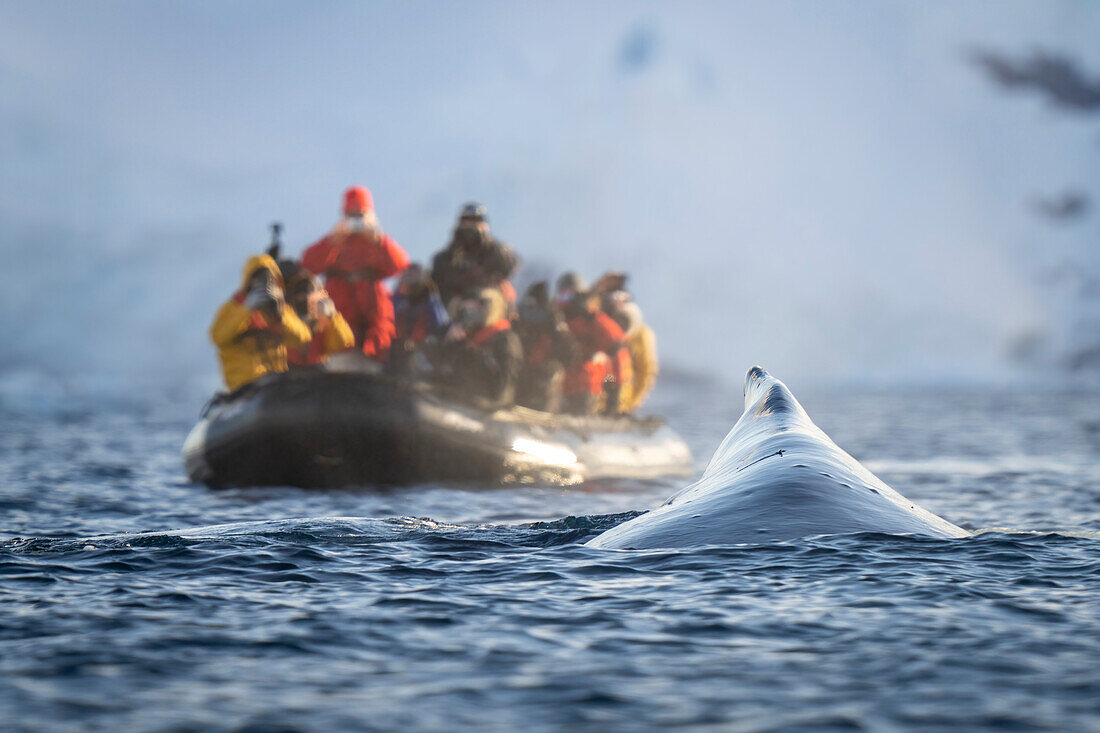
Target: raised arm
{"type": "Point", "coordinates": [337, 334]}
{"type": "Point", "coordinates": [295, 333]}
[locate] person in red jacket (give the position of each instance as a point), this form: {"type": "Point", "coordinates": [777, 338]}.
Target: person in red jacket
{"type": "Point", "coordinates": [604, 363]}
{"type": "Point", "coordinates": [355, 258]}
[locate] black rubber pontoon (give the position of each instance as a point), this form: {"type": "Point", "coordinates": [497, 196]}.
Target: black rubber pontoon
{"type": "Point", "coordinates": [330, 428]}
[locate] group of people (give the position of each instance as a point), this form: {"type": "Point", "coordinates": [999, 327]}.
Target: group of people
{"type": "Point", "coordinates": [460, 325]}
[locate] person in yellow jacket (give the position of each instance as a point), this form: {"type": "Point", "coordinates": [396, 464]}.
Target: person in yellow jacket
{"type": "Point", "coordinates": [253, 329]}
{"type": "Point", "coordinates": [641, 342]}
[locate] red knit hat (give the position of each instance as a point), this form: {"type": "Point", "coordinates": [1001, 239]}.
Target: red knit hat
{"type": "Point", "coordinates": [357, 200]}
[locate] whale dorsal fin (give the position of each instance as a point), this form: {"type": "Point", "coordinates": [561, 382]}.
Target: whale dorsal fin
{"type": "Point", "coordinates": [765, 395]}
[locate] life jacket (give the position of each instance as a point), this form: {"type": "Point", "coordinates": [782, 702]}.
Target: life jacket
{"type": "Point", "coordinates": [487, 332]}
{"type": "Point", "coordinates": [586, 377]}
{"type": "Point", "coordinates": [596, 333]}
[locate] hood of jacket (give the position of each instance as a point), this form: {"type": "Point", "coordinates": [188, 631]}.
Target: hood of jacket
{"type": "Point", "coordinates": [260, 262]}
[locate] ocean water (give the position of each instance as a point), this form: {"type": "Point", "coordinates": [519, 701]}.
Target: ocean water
{"type": "Point", "coordinates": [132, 600]}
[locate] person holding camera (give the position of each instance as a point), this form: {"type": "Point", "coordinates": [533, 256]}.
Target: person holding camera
{"type": "Point", "coordinates": [312, 304]}
{"type": "Point", "coordinates": [474, 259]}
{"type": "Point", "coordinates": [254, 328]}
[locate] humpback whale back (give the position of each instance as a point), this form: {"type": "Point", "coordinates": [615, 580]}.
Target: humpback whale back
{"type": "Point", "coordinates": [776, 476]}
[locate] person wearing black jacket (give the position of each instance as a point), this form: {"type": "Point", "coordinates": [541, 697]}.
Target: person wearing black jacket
{"type": "Point", "coordinates": [548, 348]}
{"type": "Point", "coordinates": [474, 259]}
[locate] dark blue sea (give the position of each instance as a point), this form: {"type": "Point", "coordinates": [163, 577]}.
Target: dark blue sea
{"type": "Point", "coordinates": [133, 600]}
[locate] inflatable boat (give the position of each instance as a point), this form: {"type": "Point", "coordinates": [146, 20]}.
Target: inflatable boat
{"type": "Point", "coordinates": [348, 426]}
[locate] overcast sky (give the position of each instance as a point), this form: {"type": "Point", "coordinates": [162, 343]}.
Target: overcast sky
{"type": "Point", "coordinates": [830, 190]}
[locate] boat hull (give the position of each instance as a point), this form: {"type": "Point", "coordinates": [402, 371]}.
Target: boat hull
{"type": "Point", "coordinates": [330, 429]}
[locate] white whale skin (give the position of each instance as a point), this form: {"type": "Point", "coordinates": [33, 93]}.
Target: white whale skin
{"type": "Point", "coordinates": [775, 477]}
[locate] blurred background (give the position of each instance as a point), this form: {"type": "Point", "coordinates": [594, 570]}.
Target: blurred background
{"type": "Point", "coordinates": [894, 193]}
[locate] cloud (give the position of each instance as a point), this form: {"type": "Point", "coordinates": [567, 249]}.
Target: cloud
{"type": "Point", "coordinates": [638, 50]}
{"type": "Point", "coordinates": [1055, 75]}
{"type": "Point", "coordinates": [1067, 206]}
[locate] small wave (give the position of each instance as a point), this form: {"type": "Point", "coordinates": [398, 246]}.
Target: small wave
{"type": "Point", "coordinates": [1051, 533]}
{"type": "Point", "coordinates": [337, 530]}
{"type": "Point", "coordinates": [321, 531]}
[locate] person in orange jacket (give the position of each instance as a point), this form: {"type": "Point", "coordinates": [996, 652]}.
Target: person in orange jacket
{"type": "Point", "coordinates": [253, 329]}
{"type": "Point", "coordinates": [355, 258]}
{"type": "Point", "coordinates": [604, 363]}
{"type": "Point", "coordinates": [331, 333]}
